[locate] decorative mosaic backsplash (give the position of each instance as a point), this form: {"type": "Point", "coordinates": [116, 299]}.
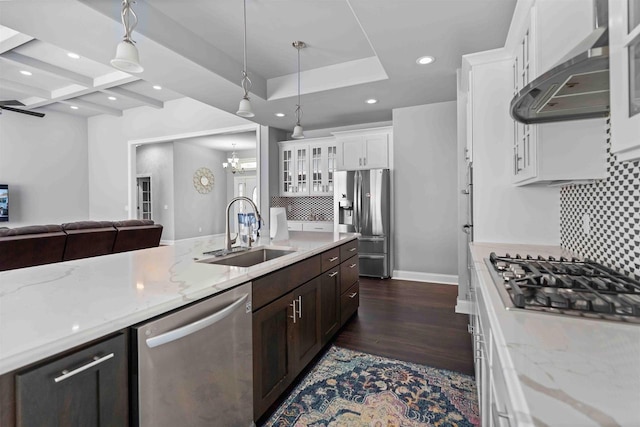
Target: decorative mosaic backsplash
{"type": "Point", "coordinates": [312, 208]}
{"type": "Point", "coordinates": [613, 207]}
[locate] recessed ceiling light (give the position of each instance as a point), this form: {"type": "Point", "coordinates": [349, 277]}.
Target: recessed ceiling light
{"type": "Point", "coordinates": [371, 101]}
{"type": "Point", "coordinates": [73, 55]}
{"type": "Point", "coordinates": [424, 60]}
{"type": "Point", "coordinates": [280, 114]}
{"type": "Point", "coordinates": [112, 98]}
{"type": "Point", "coordinates": [74, 107]}
{"type": "Point", "coordinates": [26, 73]}
{"type": "Point", "coordinates": [157, 87]}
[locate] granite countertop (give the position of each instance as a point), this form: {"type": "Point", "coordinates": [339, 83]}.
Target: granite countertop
{"type": "Point", "coordinates": [47, 309]}
{"type": "Point", "coordinates": [562, 371]}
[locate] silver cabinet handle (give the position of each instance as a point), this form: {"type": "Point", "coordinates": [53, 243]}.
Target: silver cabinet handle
{"type": "Point", "coordinates": [335, 258]}
{"type": "Point", "coordinates": [294, 310]}
{"type": "Point", "coordinates": [300, 307]}
{"type": "Point", "coordinates": [334, 274]}
{"type": "Point", "coordinates": [191, 328]}
{"type": "Point", "coordinates": [360, 161]}
{"type": "Point", "coordinates": [352, 249]}
{"type": "Point", "coordinates": [96, 360]}
{"type": "Point", "coordinates": [352, 265]}
{"type": "Point", "coordinates": [353, 295]}
{"type": "Point", "coordinates": [365, 161]}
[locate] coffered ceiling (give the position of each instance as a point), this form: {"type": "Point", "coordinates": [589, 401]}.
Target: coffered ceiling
{"type": "Point", "coordinates": [357, 49]}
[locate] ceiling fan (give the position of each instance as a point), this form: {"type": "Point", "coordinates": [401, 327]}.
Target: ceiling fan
{"type": "Point", "coordinates": [4, 106]}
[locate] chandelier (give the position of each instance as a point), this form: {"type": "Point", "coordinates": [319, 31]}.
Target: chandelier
{"type": "Point", "coordinates": [233, 163]}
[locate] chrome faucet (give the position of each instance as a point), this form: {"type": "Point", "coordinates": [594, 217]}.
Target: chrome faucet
{"type": "Point", "coordinates": [228, 241]}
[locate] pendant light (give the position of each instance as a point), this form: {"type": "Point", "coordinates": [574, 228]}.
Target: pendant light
{"type": "Point", "coordinates": [126, 53]}
{"type": "Point", "coordinates": [297, 130]}
{"type": "Point", "coordinates": [244, 110]}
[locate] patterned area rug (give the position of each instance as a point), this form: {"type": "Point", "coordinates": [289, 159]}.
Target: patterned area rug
{"type": "Point", "coordinates": [352, 389]}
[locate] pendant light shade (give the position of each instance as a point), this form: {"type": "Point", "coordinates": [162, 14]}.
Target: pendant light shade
{"type": "Point", "coordinates": [297, 130]}
{"type": "Point", "coordinates": [127, 58]}
{"type": "Point", "coordinates": [245, 110]}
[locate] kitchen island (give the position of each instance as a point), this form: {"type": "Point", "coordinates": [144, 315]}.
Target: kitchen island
{"type": "Point", "coordinates": [47, 309]}
{"type": "Point", "coordinates": [543, 369]}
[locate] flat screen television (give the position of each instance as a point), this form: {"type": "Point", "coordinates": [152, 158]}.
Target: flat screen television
{"type": "Point", "coordinates": [4, 202]}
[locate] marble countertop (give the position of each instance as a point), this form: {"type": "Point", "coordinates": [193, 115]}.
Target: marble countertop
{"type": "Point", "coordinates": [562, 371]}
{"type": "Point", "coordinates": [47, 309]}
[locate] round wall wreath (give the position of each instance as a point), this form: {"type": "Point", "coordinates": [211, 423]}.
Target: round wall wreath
{"type": "Point", "coordinates": [203, 180]}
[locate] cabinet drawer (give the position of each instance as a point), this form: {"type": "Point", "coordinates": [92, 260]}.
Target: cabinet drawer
{"type": "Point", "coordinates": [88, 387]}
{"type": "Point", "coordinates": [349, 302]}
{"type": "Point", "coordinates": [349, 272]}
{"type": "Point", "coordinates": [317, 226]}
{"type": "Point", "coordinates": [294, 226]}
{"type": "Point", "coordinates": [330, 259]}
{"type": "Point", "coordinates": [348, 250]}
{"type": "Point", "coordinates": [278, 283]}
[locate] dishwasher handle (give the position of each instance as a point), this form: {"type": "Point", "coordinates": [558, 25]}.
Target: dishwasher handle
{"type": "Point", "coordinates": [191, 328]}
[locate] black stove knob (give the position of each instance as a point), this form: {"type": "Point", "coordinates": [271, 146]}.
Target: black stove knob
{"type": "Point", "coordinates": [541, 258]}
{"type": "Point", "coordinates": [551, 258]}
{"type": "Point", "coordinates": [529, 257]}
{"type": "Point", "coordinates": [563, 259]}
{"type": "Point", "coordinates": [518, 256]}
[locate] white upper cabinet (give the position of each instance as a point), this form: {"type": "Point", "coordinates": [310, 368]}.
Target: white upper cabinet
{"type": "Point", "coordinates": [307, 168]}
{"type": "Point", "coordinates": [624, 77]}
{"type": "Point", "coordinates": [364, 149]}
{"type": "Point", "coordinates": [565, 151]}
{"type": "Point", "coordinates": [294, 169]}
{"type": "Point", "coordinates": [323, 163]}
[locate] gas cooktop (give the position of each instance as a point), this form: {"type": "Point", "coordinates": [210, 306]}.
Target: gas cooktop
{"type": "Point", "coordinates": [572, 287]}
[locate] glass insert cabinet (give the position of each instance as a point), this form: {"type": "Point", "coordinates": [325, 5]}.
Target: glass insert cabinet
{"type": "Point", "coordinates": [307, 168]}
{"type": "Point", "coordinates": [624, 45]}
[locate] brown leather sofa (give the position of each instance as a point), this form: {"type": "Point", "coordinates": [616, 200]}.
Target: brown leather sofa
{"type": "Point", "coordinates": [31, 245]}
{"type": "Point", "coordinates": [44, 244]}
{"type": "Point", "coordinates": [88, 238]}
{"type": "Point", "coordinates": [136, 234]}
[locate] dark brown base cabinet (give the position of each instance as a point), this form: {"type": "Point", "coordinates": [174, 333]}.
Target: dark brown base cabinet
{"type": "Point", "coordinates": [290, 331]}
{"type": "Point", "coordinates": [86, 388]}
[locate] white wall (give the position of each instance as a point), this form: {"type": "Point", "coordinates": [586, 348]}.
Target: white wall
{"type": "Point", "coordinates": [108, 146]}
{"type": "Point", "coordinates": [156, 160]}
{"type": "Point", "coordinates": [424, 191]}
{"type": "Point", "coordinates": [198, 214]}
{"type": "Point", "coordinates": [44, 161]}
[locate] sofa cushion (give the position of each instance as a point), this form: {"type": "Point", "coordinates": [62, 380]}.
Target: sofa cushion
{"type": "Point", "coordinates": [29, 246]}
{"type": "Point", "coordinates": [88, 238]}
{"type": "Point", "coordinates": [83, 225]}
{"type": "Point", "coordinates": [30, 229]}
{"type": "Point", "coordinates": [133, 222]}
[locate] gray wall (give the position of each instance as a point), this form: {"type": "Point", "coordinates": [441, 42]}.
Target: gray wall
{"type": "Point", "coordinates": [198, 214]}
{"type": "Point", "coordinates": [156, 160]}
{"type": "Point", "coordinates": [425, 182]}
{"type": "Point", "coordinates": [44, 162]}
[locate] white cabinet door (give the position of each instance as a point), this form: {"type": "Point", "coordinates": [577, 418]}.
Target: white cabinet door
{"type": "Point", "coordinates": [376, 151]}
{"type": "Point", "coordinates": [294, 170]}
{"type": "Point", "coordinates": [322, 163]}
{"type": "Point", "coordinates": [351, 148]}
{"type": "Point", "coordinates": [624, 77]}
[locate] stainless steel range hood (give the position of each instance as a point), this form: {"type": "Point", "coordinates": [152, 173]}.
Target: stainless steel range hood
{"type": "Point", "coordinates": [577, 87]}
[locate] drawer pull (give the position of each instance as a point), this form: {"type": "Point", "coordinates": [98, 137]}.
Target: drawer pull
{"type": "Point", "coordinates": [352, 265]}
{"type": "Point", "coordinates": [300, 307]}
{"type": "Point", "coordinates": [334, 274]}
{"type": "Point", "coordinates": [353, 295]}
{"type": "Point", "coordinates": [352, 249]}
{"type": "Point", "coordinates": [335, 258]}
{"type": "Point", "coordinates": [294, 311]}
{"type": "Point", "coordinates": [96, 361]}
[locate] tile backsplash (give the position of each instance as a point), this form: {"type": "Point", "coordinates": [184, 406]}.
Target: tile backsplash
{"type": "Point", "coordinates": [312, 208]}
{"type": "Point", "coordinates": [601, 220]}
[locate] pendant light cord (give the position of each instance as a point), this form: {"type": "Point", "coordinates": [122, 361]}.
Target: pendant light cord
{"type": "Point", "coordinates": [298, 107]}
{"type": "Point", "coordinates": [246, 82]}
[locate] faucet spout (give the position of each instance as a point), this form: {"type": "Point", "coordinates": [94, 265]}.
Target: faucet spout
{"type": "Point", "coordinates": [228, 241]}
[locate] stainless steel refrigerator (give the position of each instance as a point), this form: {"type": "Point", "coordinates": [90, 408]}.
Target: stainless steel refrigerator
{"type": "Point", "coordinates": [362, 204]}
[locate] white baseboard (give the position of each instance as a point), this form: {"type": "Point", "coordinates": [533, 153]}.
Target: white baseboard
{"type": "Point", "coordinates": [416, 276]}
{"type": "Point", "coordinates": [464, 306]}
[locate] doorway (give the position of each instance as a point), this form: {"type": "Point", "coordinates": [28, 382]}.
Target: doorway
{"type": "Point", "coordinates": [243, 186]}
{"type": "Point", "coordinates": [144, 206]}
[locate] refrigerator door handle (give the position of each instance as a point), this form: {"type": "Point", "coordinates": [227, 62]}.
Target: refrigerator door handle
{"type": "Point", "coordinates": [356, 202]}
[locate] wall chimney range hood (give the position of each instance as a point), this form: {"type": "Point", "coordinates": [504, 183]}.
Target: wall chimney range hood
{"type": "Point", "coordinates": [577, 87]}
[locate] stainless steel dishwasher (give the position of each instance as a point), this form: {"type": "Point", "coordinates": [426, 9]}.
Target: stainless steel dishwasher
{"type": "Point", "coordinates": [194, 366]}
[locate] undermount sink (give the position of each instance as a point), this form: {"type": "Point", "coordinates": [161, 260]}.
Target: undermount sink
{"type": "Point", "coordinates": [248, 258]}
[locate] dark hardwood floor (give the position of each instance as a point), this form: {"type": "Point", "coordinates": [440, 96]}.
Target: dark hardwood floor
{"type": "Point", "coordinates": [410, 321]}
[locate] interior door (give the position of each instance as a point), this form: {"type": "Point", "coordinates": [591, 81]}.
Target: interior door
{"type": "Point", "coordinates": [144, 198]}
{"type": "Point", "coordinates": [243, 186]}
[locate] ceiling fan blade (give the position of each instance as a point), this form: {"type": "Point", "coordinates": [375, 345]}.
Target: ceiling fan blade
{"type": "Point", "coordinates": [11, 102]}
{"type": "Point", "coordinates": [31, 113]}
